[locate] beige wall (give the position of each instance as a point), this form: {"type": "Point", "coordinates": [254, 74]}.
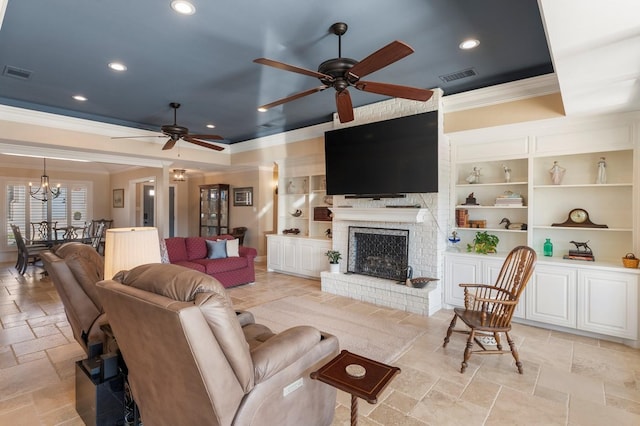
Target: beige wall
{"type": "Point", "coordinates": [256, 217]}
{"type": "Point", "coordinates": [537, 108]}
{"type": "Point", "coordinates": [126, 216]}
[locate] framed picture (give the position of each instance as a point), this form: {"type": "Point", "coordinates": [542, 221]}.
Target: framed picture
{"type": "Point", "coordinates": [243, 196]}
{"type": "Point", "coordinates": [118, 198]}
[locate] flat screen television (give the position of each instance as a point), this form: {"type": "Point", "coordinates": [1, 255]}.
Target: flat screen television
{"type": "Point", "coordinates": [389, 157]}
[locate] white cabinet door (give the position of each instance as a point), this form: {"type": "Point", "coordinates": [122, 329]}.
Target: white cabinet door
{"type": "Point", "coordinates": [290, 255]}
{"type": "Point", "coordinates": [608, 303]}
{"type": "Point", "coordinates": [551, 295]}
{"type": "Point", "coordinates": [490, 271]}
{"type": "Point", "coordinates": [311, 258]}
{"type": "Point", "coordinates": [274, 253]}
{"type": "Point", "coordinates": [460, 269]}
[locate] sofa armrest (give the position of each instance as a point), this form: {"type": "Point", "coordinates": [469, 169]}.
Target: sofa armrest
{"type": "Point", "coordinates": [249, 252]}
{"type": "Point", "coordinates": [282, 350]}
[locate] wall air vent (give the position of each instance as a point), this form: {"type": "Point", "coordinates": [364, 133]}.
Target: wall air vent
{"type": "Point", "coordinates": [458, 75]}
{"type": "Point", "coordinates": [15, 72]}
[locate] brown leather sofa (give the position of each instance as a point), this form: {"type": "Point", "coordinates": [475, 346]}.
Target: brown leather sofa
{"type": "Point", "coordinates": [75, 268]}
{"type": "Point", "coordinates": [191, 361]}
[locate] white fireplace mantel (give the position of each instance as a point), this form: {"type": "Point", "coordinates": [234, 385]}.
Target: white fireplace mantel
{"type": "Point", "coordinates": [400, 214]}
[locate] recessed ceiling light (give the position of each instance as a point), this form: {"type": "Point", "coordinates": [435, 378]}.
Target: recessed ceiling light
{"type": "Point", "coordinates": [469, 44]}
{"type": "Point", "coordinates": [184, 7]}
{"type": "Point", "coordinates": [117, 66]}
{"type": "Point", "coordinates": [79, 98]}
{"type": "Point", "coordinates": [211, 126]}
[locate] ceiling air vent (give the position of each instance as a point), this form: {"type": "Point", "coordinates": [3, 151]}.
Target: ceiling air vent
{"type": "Point", "coordinates": [15, 72]}
{"type": "Point", "coordinates": [458, 75]}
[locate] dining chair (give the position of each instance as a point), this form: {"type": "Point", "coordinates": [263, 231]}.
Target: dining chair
{"type": "Point", "coordinates": [97, 236]}
{"type": "Point", "coordinates": [41, 231]}
{"type": "Point", "coordinates": [107, 224]}
{"type": "Point", "coordinates": [27, 253]}
{"type": "Point", "coordinates": [488, 309]}
{"type": "Point", "coordinates": [71, 233]}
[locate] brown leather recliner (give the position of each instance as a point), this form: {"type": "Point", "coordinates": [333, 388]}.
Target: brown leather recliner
{"type": "Point", "coordinates": [75, 268]}
{"type": "Point", "coordinates": [191, 362]}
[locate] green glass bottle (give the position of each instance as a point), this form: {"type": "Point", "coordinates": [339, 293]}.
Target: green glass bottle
{"type": "Point", "coordinates": [548, 247]}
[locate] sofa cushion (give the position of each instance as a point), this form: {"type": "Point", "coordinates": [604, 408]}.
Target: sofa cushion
{"type": "Point", "coordinates": [196, 248]}
{"type": "Point", "coordinates": [216, 249]}
{"type": "Point", "coordinates": [215, 266]}
{"type": "Point", "coordinates": [177, 249]}
{"type": "Point", "coordinates": [193, 265]}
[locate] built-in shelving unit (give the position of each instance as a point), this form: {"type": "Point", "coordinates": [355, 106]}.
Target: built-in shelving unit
{"type": "Point", "coordinates": [598, 296]}
{"type": "Point", "coordinates": [299, 197]}
{"type": "Point", "coordinates": [301, 189]}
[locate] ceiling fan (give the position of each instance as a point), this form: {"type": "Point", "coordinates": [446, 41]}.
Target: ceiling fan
{"type": "Point", "coordinates": [175, 133]}
{"type": "Point", "coordinates": [340, 73]}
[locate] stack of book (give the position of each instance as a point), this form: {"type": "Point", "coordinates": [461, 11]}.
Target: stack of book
{"type": "Point", "coordinates": [579, 255]}
{"type": "Point", "coordinates": [462, 218]}
{"type": "Point", "coordinates": [508, 201]}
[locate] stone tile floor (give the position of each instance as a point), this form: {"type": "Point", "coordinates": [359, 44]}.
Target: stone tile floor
{"type": "Point", "coordinates": [568, 379]}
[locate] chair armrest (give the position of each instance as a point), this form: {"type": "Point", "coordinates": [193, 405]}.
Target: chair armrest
{"type": "Point", "coordinates": [497, 301]}
{"type": "Point", "coordinates": [282, 350]}
{"type": "Point", "coordinates": [249, 252]}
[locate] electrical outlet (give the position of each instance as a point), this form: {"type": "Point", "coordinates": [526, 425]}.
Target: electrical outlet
{"type": "Point", "coordinates": [292, 387]}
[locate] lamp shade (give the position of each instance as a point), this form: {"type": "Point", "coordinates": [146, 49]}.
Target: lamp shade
{"type": "Point", "coordinates": [126, 248]}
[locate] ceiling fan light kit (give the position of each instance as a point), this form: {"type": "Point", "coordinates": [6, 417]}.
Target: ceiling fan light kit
{"type": "Point", "coordinates": [340, 73]}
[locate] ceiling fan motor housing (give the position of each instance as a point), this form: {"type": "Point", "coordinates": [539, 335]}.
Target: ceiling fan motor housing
{"type": "Point", "coordinates": [338, 69]}
{"type": "Point", "coordinates": [174, 131]}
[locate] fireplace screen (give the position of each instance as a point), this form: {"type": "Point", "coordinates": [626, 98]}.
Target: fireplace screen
{"type": "Point", "coordinates": [379, 252]}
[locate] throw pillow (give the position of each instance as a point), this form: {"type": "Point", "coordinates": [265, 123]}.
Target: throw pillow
{"type": "Point", "coordinates": [216, 249]}
{"type": "Point", "coordinates": [233, 247]}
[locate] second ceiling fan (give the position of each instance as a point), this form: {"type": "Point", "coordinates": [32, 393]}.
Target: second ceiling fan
{"type": "Point", "coordinates": [340, 73]}
{"type": "Point", "coordinates": [176, 132]}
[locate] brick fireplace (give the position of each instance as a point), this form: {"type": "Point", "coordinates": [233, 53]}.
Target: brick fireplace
{"type": "Point", "coordinates": [423, 255]}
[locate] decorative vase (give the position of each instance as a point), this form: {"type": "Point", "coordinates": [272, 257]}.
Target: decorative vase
{"type": "Point", "coordinates": [334, 268]}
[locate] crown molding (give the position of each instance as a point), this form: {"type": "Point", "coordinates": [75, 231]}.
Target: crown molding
{"type": "Point", "coordinates": [501, 93]}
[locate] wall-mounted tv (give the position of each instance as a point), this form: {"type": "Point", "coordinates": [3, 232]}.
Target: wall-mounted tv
{"type": "Point", "coordinates": [386, 157]}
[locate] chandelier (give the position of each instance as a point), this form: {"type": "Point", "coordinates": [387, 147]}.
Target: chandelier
{"type": "Point", "coordinates": [179, 175]}
{"type": "Point", "coordinates": [44, 192]}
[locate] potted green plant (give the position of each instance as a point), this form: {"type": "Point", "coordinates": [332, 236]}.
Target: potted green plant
{"type": "Point", "coordinates": [483, 243]}
{"type": "Point", "coordinates": [334, 260]}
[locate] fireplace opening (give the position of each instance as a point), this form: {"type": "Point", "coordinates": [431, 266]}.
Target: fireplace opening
{"type": "Point", "coordinates": [378, 252]}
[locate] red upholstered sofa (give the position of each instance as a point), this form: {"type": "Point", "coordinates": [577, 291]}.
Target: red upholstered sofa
{"type": "Point", "coordinates": [191, 252]}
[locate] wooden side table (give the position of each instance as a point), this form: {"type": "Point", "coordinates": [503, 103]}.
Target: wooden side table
{"type": "Point", "coordinates": [361, 377]}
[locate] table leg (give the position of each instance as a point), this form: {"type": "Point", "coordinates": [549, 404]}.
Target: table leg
{"type": "Point", "coordinates": [354, 410]}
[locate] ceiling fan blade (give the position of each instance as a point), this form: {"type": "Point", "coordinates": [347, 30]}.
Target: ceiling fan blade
{"type": "Point", "coordinates": [405, 92]}
{"type": "Point", "coordinates": [389, 54]}
{"type": "Point", "coordinates": [170, 144]}
{"type": "Point", "coordinates": [202, 143]}
{"type": "Point", "coordinates": [287, 67]}
{"type": "Point", "coordinates": [292, 97]}
{"type": "Point", "coordinates": [214, 137]}
{"type": "Point", "coordinates": [345, 108]}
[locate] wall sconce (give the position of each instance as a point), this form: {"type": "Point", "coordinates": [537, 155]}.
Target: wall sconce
{"type": "Point", "coordinates": [179, 175]}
